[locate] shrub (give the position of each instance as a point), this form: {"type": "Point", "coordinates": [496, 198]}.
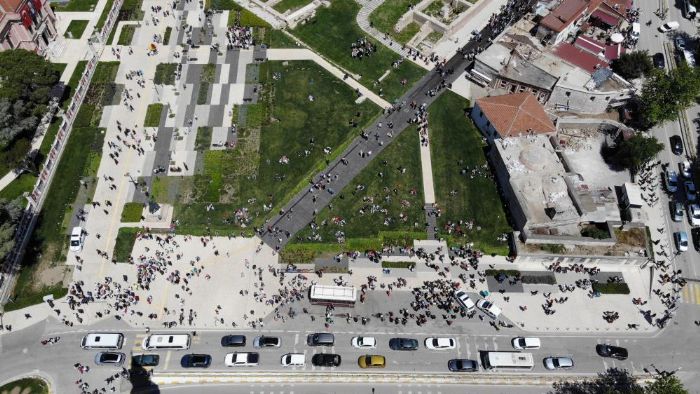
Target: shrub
{"type": "Point", "coordinates": [537, 279]}
{"type": "Point", "coordinates": [611, 288]}
{"type": "Point", "coordinates": [510, 273]}
{"type": "Point", "coordinates": [398, 264]}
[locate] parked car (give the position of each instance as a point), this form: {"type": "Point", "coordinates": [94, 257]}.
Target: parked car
{"type": "Point", "coordinates": [676, 144]}
{"type": "Point", "coordinates": [440, 343]}
{"type": "Point", "coordinates": [636, 29]}
{"type": "Point", "coordinates": [676, 211]}
{"type": "Point", "coordinates": [233, 341]}
{"type": "Point", "coordinates": [617, 352]}
{"type": "Point", "coordinates": [145, 360]}
{"type": "Point", "coordinates": [364, 342]}
{"type": "Point", "coordinates": [293, 359]}
{"type": "Point", "coordinates": [558, 362]}
{"type": "Point", "coordinates": [681, 238]}
{"type": "Point", "coordinates": [241, 359]}
{"type": "Point", "coordinates": [265, 341]}
{"type": "Point", "coordinates": [671, 180]}
{"type": "Point", "coordinates": [320, 339]}
{"type": "Point", "coordinates": [326, 360]}
{"type": "Point", "coordinates": [488, 308]}
{"type": "Point", "coordinates": [521, 343]}
{"type": "Point", "coordinates": [463, 299]}
{"type": "Point", "coordinates": [109, 358]}
{"type": "Point", "coordinates": [659, 60]}
{"type": "Point", "coordinates": [669, 26]}
{"type": "Point", "coordinates": [371, 361]}
{"type": "Point", "coordinates": [462, 365]}
{"type": "Point", "coordinates": [195, 361]}
{"type": "Point", "coordinates": [77, 238]}
{"type": "Point", "coordinates": [695, 233]}
{"type": "Point", "coordinates": [690, 192]}
{"type": "Point", "coordinates": [694, 214]}
{"type": "Point", "coordinates": [685, 169]}
{"type": "Point", "coordinates": [403, 344]}
{"type": "Point", "coordinates": [679, 43]}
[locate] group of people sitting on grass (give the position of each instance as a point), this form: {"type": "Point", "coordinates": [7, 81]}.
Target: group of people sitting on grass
{"type": "Point", "coordinates": [362, 47]}
{"type": "Point", "coordinates": [239, 37]}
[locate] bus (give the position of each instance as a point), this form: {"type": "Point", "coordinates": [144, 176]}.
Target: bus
{"type": "Point", "coordinates": [507, 360]}
{"type": "Point", "coordinates": [333, 295]}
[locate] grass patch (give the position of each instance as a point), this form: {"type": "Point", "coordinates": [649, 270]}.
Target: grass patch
{"type": "Point", "coordinates": [203, 139]}
{"type": "Point", "coordinates": [126, 238]}
{"type": "Point", "coordinates": [553, 248]}
{"type": "Point", "coordinates": [387, 195]}
{"type": "Point", "coordinates": [76, 28]}
{"type": "Point", "coordinates": [130, 11]}
{"type": "Point", "coordinates": [278, 39]}
{"type": "Point", "coordinates": [465, 190]}
{"type": "Point", "coordinates": [208, 73]}
{"type": "Point", "coordinates": [132, 212]}
{"type": "Point", "coordinates": [398, 264]}
{"type": "Point", "coordinates": [22, 297]}
{"type": "Point", "coordinates": [166, 36]}
{"type": "Point", "coordinates": [385, 17]}
{"type": "Point", "coordinates": [17, 188]}
{"type": "Point", "coordinates": [333, 31]}
{"type": "Point", "coordinates": [611, 288]}
{"type": "Point", "coordinates": [165, 74]}
{"type": "Point", "coordinates": [126, 35]}
{"type": "Point", "coordinates": [75, 6]}
{"type": "Point", "coordinates": [203, 93]}
{"type": "Point", "coordinates": [254, 179]}
{"type": "Point", "coordinates": [153, 114]}
{"type": "Point", "coordinates": [103, 16]}
{"type": "Point", "coordinates": [246, 18]}
{"type": "Point", "coordinates": [293, 5]}
{"type": "Point", "coordinates": [546, 278]}
{"type": "Point", "coordinates": [73, 82]}
{"type": "Point", "coordinates": [306, 253]}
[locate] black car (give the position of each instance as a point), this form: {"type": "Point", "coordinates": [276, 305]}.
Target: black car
{"type": "Point", "coordinates": [611, 351]}
{"type": "Point", "coordinates": [659, 60]}
{"type": "Point", "coordinates": [325, 360]}
{"type": "Point", "coordinates": [695, 234]}
{"type": "Point", "coordinates": [403, 344]}
{"type": "Point", "coordinates": [676, 144]}
{"type": "Point", "coordinates": [145, 360]}
{"type": "Point", "coordinates": [233, 341]}
{"type": "Point", "coordinates": [265, 341]}
{"type": "Point", "coordinates": [195, 361]}
{"type": "Point", "coordinates": [462, 365]}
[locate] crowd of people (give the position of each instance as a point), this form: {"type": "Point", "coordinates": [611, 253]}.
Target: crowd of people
{"type": "Point", "coordinates": [239, 37]}
{"type": "Point", "coordinates": [362, 47]}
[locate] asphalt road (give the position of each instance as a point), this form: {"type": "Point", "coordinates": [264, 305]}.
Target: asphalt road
{"type": "Point", "coordinates": [348, 389]}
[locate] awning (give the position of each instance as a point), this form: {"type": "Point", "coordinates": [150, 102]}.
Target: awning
{"type": "Point", "coordinates": [481, 76]}
{"type": "Point", "coordinates": [605, 18]}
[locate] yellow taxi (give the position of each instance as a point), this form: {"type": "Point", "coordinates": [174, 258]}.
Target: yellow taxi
{"type": "Point", "coordinates": [371, 361]}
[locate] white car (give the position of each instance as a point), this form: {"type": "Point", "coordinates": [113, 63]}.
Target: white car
{"type": "Point", "coordinates": [521, 343]}
{"type": "Point", "coordinates": [669, 26]}
{"type": "Point", "coordinates": [293, 359]}
{"type": "Point", "coordinates": [558, 362]}
{"type": "Point", "coordinates": [694, 214]}
{"type": "Point", "coordinates": [241, 359]}
{"type": "Point", "coordinates": [440, 343]}
{"type": "Point", "coordinates": [685, 169]}
{"type": "Point", "coordinates": [488, 308]}
{"type": "Point", "coordinates": [463, 299]}
{"type": "Point", "coordinates": [77, 236]}
{"type": "Point", "coordinates": [671, 178]}
{"type": "Point", "coordinates": [364, 342]}
{"type": "Point", "coordinates": [690, 192]}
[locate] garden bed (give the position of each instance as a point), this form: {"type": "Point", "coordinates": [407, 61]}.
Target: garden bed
{"type": "Point", "coordinates": [611, 288]}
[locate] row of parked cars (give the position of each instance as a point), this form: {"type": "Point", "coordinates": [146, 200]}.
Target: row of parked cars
{"type": "Point", "coordinates": [672, 182]}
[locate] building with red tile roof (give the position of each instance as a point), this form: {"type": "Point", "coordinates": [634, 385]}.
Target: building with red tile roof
{"type": "Point", "coordinates": [26, 24]}
{"type": "Point", "coordinates": [563, 19]}
{"type": "Point", "coordinates": [511, 115]}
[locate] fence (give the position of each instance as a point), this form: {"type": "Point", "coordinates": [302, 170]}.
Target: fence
{"type": "Point", "coordinates": [38, 194]}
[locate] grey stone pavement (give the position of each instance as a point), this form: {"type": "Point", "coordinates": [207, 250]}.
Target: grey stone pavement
{"type": "Point", "coordinates": [300, 210]}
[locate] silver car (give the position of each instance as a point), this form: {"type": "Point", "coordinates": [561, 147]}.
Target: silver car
{"type": "Point", "coordinates": [558, 362]}
{"type": "Point", "coordinates": [109, 358]}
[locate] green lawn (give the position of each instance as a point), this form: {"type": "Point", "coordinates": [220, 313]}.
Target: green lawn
{"type": "Point", "coordinates": [132, 212]}
{"type": "Point", "coordinates": [25, 183]}
{"type": "Point", "coordinates": [84, 146]}
{"type": "Point", "coordinates": [130, 11]}
{"type": "Point", "coordinates": [165, 74]}
{"type": "Point", "coordinates": [126, 35]}
{"type": "Point", "coordinates": [383, 197]}
{"type": "Point", "coordinates": [334, 30]}
{"type": "Point", "coordinates": [75, 6]}
{"type": "Point", "coordinates": [283, 122]}
{"type": "Point", "coordinates": [153, 114]}
{"type": "Point", "coordinates": [76, 28]}
{"type": "Point", "coordinates": [73, 82]}
{"type": "Point", "coordinates": [166, 36]}
{"type": "Point", "coordinates": [456, 144]}
{"type": "Point", "coordinates": [126, 238]}
{"type": "Point", "coordinates": [203, 139]}
{"type": "Point", "coordinates": [385, 17]}
{"type": "Point", "coordinates": [103, 16]}
{"type": "Point", "coordinates": [293, 5]}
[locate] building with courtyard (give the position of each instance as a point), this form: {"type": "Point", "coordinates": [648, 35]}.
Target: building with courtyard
{"type": "Point", "coordinates": [26, 24]}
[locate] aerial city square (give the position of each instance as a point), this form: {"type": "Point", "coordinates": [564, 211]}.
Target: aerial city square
{"type": "Point", "coordinates": [349, 196]}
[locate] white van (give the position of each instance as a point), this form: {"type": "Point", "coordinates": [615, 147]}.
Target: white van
{"type": "Point", "coordinates": [636, 29]}
{"type": "Point", "coordinates": [103, 340]}
{"type": "Point", "coordinates": [77, 237]}
{"type": "Point", "coordinates": [166, 341]}
{"type": "Point", "coordinates": [488, 308]}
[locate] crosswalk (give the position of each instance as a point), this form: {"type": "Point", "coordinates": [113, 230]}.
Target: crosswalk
{"type": "Point", "coordinates": [691, 293]}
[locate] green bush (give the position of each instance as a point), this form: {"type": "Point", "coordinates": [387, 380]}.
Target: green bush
{"type": "Point", "coordinates": [611, 288]}
{"type": "Point", "coordinates": [166, 36]}
{"type": "Point", "coordinates": [537, 279]}
{"type": "Point", "coordinates": [509, 273]}
{"type": "Point", "coordinates": [595, 232]}
{"type": "Point", "coordinates": [398, 264]}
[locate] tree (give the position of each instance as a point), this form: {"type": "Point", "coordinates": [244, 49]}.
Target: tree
{"type": "Point", "coordinates": [664, 95]}
{"type": "Point", "coordinates": [633, 65]}
{"type": "Point", "coordinates": [634, 152]}
{"type": "Point", "coordinates": [612, 381]}
{"type": "Point", "coordinates": [666, 384]}
{"type": "Point", "coordinates": [10, 213]}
